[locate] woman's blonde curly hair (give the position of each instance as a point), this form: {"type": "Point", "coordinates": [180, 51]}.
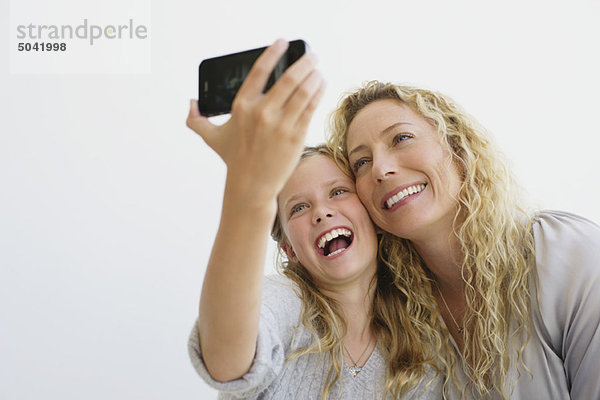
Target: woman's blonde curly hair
{"type": "Point", "coordinates": [495, 236]}
{"type": "Point", "coordinates": [397, 339]}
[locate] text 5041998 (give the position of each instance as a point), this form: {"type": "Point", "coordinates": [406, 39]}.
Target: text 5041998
{"type": "Point", "coordinates": [42, 46]}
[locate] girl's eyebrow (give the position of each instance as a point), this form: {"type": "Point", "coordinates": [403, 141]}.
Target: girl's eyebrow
{"type": "Point", "coordinates": [292, 199]}
{"type": "Point", "coordinates": [297, 196]}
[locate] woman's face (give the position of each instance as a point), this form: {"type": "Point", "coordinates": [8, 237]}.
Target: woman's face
{"type": "Point", "coordinates": [404, 175]}
{"type": "Point", "coordinates": [328, 229]}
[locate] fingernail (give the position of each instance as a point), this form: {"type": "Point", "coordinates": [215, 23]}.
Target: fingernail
{"type": "Point", "coordinates": [280, 42]}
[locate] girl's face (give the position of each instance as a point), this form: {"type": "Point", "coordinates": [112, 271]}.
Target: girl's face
{"type": "Point", "coordinates": [328, 229]}
{"type": "Point", "coordinates": [404, 175]}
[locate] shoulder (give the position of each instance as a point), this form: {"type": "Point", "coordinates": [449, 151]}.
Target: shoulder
{"type": "Point", "coordinates": [280, 284]}
{"type": "Point", "coordinates": [279, 316]}
{"type": "Point", "coordinates": [281, 304]}
{"type": "Point", "coordinates": [567, 271]}
{"type": "Point", "coordinates": [552, 224]}
{"type": "Point", "coordinates": [565, 243]}
{"type": "Point", "coordinates": [279, 290]}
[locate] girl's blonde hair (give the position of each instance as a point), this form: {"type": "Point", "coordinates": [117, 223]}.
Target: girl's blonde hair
{"type": "Point", "coordinates": [321, 316]}
{"type": "Point", "coordinates": [495, 236]}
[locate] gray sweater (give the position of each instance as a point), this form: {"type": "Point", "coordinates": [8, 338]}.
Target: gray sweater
{"type": "Point", "coordinates": [270, 377]}
{"type": "Point", "coordinates": [562, 355]}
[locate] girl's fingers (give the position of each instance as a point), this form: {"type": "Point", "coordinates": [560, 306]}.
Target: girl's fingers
{"type": "Point", "coordinates": [291, 80]}
{"type": "Point", "coordinates": [302, 97]}
{"type": "Point", "coordinates": [258, 76]}
{"type": "Point", "coordinates": [308, 111]}
{"type": "Point", "coordinates": [285, 110]}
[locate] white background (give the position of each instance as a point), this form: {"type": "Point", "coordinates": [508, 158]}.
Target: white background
{"type": "Point", "coordinates": [109, 204]}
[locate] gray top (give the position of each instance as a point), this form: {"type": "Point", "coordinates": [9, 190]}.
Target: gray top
{"type": "Point", "coordinates": [563, 352]}
{"type": "Point", "coordinates": [270, 377]}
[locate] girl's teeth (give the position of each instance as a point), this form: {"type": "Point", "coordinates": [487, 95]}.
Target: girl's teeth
{"type": "Point", "coordinates": [338, 251]}
{"type": "Point", "coordinates": [332, 235]}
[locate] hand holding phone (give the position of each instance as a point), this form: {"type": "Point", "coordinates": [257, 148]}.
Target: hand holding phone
{"type": "Point", "coordinates": [262, 141]}
{"type": "Point", "coordinates": [220, 78]}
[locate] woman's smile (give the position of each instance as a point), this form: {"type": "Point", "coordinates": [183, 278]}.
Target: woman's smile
{"type": "Point", "coordinates": [401, 195]}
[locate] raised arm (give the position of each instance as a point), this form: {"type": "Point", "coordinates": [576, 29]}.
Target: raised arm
{"type": "Point", "coordinates": [261, 145]}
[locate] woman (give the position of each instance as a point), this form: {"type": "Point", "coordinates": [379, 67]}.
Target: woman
{"type": "Point", "coordinates": [520, 315]}
{"type": "Point", "coordinates": [334, 328]}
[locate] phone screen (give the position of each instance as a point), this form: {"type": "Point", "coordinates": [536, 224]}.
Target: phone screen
{"type": "Point", "coordinates": [220, 78]}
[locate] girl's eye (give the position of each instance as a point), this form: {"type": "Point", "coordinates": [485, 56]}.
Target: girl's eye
{"type": "Point", "coordinates": [337, 192]}
{"type": "Point", "coordinates": [401, 137]}
{"type": "Point", "coordinates": [359, 163]}
{"type": "Point", "coordinates": [298, 208]}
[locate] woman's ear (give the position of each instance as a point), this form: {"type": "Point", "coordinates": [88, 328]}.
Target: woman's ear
{"type": "Point", "coordinates": [289, 252]}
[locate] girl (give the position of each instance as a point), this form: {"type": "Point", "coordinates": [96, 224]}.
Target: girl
{"type": "Point", "coordinates": [335, 325]}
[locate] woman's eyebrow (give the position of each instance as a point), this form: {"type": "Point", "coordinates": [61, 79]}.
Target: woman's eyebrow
{"type": "Point", "coordinates": [394, 126]}
{"type": "Point", "coordinates": [383, 132]}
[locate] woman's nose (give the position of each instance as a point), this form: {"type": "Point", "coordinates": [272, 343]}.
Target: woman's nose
{"type": "Point", "coordinates": [382, 169]}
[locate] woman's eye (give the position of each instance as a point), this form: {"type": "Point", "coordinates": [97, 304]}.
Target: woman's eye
{"type": "Point", "coordinates": [298, 208]}
{"type": "Point", "coordinates": [401, 137]}
{"type": "Point", "coordinates": [359, 163]}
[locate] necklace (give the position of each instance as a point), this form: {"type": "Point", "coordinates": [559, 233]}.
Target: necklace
{"type": "Point", "coordinates": [459, 328]}
{"type": "Point", "coordinates": [354, 370]}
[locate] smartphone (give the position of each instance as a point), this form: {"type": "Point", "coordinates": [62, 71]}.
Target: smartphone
{"type": "Point", "coordinates": [220, 78]}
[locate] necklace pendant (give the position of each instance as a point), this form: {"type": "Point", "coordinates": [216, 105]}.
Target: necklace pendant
{"type": "Point", "coordinates": [355, 370]}
{"type": "Point", "coordinates": [460, 330]}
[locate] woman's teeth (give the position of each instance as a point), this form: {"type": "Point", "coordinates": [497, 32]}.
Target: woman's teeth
{"type": "Point", "coordinates": [403, 194]}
